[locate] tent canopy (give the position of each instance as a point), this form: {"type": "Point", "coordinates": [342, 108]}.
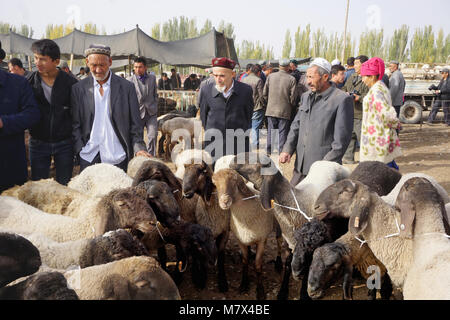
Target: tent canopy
{"type": "Point", "coordinates": [196, 52]}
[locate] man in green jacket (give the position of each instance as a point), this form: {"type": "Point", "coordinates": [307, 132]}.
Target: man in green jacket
{"type": "Point", "coordinates": [356, 88]}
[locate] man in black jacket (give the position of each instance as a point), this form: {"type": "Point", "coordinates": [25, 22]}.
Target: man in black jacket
{"type": "Point", "coordinates": [52, 136]}
{"type": "Point", "coordinates": [226, 109]}
{"type": "Point", "coordinates": [443, 98]}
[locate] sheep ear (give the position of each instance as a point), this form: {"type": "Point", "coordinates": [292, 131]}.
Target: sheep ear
{"type": "Point", "coordinates": [207, 190]}
{"type": "Point", "coordinates": [407, 216]}
{"type": "Point", "coordinates": [348, 279]}
{"type": "Point", "coordinates": [172, 181]}
{"type": "Point", "coordinates": [266, 195]}
{"type": "Point", "coordinates": [359, 214]}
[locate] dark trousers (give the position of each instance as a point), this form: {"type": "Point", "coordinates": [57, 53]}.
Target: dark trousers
{"type": "Point", "coordinates": [84, 164]}
{"type": "Point", "coordinates": [41, 154]}
{"type": "Point", "coordinates": [283, 126]}
{"type": "Point", "coordinates": [445, 108]}
{"type": "Point", "coordinates": [356, 138]}
{"type": "Point", "coordinates": [297, 177]}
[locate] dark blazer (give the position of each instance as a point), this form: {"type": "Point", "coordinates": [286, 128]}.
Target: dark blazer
{"type": "Point", "coordinates": [124, 114]}
{"type": "Point", "coordinates": [56, 121]}
{"type": "Point", "coordinates": [321, 132]}
{"type": "Point", "coordinates": [18, 111]}
{"type": "Point", "coordinates": [219, 113]}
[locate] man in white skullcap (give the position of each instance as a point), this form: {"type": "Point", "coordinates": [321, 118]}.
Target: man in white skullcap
{"type": "Point", "coordinates": [323, 125]}
{"type": "Point", "coordinates": [335, 62]}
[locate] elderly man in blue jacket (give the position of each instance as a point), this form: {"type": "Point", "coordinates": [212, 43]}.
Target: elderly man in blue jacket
{"type": "Point", "coordinates": [226, 109]}
{"type": "Point", "coordinates": [18, 111]}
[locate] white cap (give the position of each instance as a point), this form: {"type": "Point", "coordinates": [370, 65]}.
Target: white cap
{"type": "Point", "coordinates": [321, 62]}
{"type": "Point", "coordinates": [335, 62]}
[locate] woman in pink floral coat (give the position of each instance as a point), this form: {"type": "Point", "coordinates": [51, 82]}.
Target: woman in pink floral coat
{"type": "Point", "coordinates": [379, 139]}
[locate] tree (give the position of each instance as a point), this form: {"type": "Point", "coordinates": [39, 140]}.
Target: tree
{"type": "Point", "coordinates": [303, 42]}
{"type": "Point", "coordinates": [440, 47]}
{"type": "Point", "coordinates": [397, 45]}
{"type": "Point", "coordinates": [156, 31]}
{"type": "Point", "coordinates": [207, 27]}
{"type": "Point", "coordinates": [422, 45]}
{"type": "Point", "coordinates": [287, 46]}
{"type": "Point", "coordinates": [371, 43]}
{"type": "Point", "coordinates": [254, 50]}
{"type": "Point", "coordinates": [227, 29]}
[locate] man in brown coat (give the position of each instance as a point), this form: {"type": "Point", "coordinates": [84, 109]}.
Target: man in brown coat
{"type": "Point", "coordinates": [280, 94]}
{"type": "Point", "coordinates": [254, 80]}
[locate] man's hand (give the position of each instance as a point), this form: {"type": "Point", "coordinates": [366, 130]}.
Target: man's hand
{"type": "Point", "coordinates": [1, 123]}
{"type": "Point", "coordinates": [284, 157]}
{"type": "Point", "coordinates": [356, 97]}
{"type": "Point", "coordinates": [143, 153]}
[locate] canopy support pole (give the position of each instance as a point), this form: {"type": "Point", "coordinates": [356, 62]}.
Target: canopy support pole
{"type": "Point", "coordinates": [71, 61]}
{"type": "Point", "coordinates": [30, 67]}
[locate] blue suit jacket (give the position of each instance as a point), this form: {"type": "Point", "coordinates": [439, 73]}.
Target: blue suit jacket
{"type": "Point", "coordinates": [18, 111]}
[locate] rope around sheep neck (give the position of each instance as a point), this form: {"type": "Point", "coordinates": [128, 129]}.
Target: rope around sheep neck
{"type": "Point", "coordinates": [398, 233]}
{"type": "Point", "coordinates": [286, 207]}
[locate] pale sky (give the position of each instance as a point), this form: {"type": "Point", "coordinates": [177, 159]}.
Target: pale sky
{"type": "Point", "coordinates": [263, 20]}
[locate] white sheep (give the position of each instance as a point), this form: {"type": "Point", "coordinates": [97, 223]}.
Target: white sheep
{"type": "Point", "coordinates": [190, 156]}
{"type": "Point", "coordinates": [410, 242]}
{"type": "Point", "coordinates": [292, 206]}
{"type": "Point", "coordinates": [115, 210]}
{"type": "Point", "coordinates": [133, 278]}
{"type": "Point", "coordinates": [135, 163]}
{"type": "Point", "coordinates": [249, 222]}
{"type": "Point", "coordinates": [99, 179]}
{"type": "Point", "coordinates": [392, 196]}
{"type": "Point", "coordinates": [51, 197]}
{"type": "Point", "coordinates": [113, 245]}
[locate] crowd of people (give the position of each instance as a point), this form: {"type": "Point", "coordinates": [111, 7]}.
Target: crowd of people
{"type": "Point", "coordinates": [97, 116]}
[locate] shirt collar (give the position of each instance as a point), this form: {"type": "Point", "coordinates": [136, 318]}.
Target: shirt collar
{"type": "Point", "coordinates": [228, 92]}
{"type": "Point", "coordinates": [325, 94]}
{"type": "Point", "coordinates": [106, 84]}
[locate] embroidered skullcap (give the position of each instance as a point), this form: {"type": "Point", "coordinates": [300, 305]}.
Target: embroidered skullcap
{"type": "Point", "coordinates": [99, 49]}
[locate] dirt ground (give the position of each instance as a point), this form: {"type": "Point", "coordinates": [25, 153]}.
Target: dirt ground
{"type": "Point", "coordinates": [425, 149]}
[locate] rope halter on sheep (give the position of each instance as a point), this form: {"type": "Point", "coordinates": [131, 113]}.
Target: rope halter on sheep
{"type": "Point", "coordinates": [398, 233]}
{"type": "Point", "coordinates": [286, 207]}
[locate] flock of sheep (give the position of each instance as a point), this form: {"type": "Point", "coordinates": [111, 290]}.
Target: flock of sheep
{"type": "Point", "coordinates": [94, 238]}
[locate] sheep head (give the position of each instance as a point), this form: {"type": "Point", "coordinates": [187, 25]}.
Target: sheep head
{"type": "Point", "coordinates": [161, 199]}
{"type": "Point", "coordinates": [198, 241]}
{"type": "Point", "coordinates": [230, 187]}
{"type": "Point", "coordinates": [111, 246]}
{"type": "Point", "coordinates": [345, 199]}
{"type": "Point", "coordinates": [198, 179]}
{"type": "Point", "coordinates": [18, 258]}
{"type": "Point", "coordinates": [157, 170]}
{"type": "Point", "coordinates": [330, 262]}
{"type": "Point", "coordinates": [125, 208]}
{"type": "Point", "coordinates": [139, 279]}
{"type": "Point", "coordinates": [310, 236]}
{"type": "Point", "coordinates": [416, 193]}
{"type": "Point", "coordinates": [45, 286]}
{"type": "Point", "coordinates": [254, 167]}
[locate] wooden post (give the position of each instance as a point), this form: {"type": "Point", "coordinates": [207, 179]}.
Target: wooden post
{"type": "Point", "coordinates": [71, 62]}
{"type": "Point", "coordinates": [30, 67]}
{"type": "Point", "coordinates": [345, 31]}
{"type": "Point", "coordinates": [129, 64]}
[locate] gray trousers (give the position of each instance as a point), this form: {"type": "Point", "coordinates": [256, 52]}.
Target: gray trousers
{"type": "Point", "coordinates": [356, 136]}
{"type": "Point", "coordinates": [151, 123]}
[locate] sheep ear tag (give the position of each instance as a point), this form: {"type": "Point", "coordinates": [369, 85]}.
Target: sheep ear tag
{"type": "Point", "coordinates": [272, 203]}
{"type": "Point", "coordinates": [356, 223]}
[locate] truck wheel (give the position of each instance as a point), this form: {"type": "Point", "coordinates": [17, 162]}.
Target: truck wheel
{"type": "Point", "coordinates": [410, 112]}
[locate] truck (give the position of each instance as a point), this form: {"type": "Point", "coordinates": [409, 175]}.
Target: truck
{"type": "Point", "coordinates": [417, 97]}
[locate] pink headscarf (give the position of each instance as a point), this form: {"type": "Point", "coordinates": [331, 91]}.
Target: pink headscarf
{"type": "Point", "coordinates": [373, 67]}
